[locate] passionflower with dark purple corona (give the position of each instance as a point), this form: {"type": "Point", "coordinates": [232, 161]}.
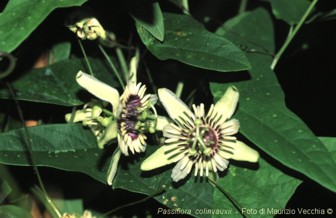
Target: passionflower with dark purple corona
{"type": "Point", "coordinates": [199, 140]}
{"type": "Point", "coordinates": [132, 116]}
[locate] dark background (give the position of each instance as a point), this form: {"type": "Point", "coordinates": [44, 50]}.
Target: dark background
{"type": "Point", "coordinates": [306, 72]}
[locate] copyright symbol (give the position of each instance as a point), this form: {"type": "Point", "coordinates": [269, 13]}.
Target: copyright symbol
{"type": "Point", "coordinates": [329, 211]}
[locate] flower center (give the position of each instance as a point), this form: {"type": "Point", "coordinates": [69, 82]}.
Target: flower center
{"type": "Point", "coordinates": [132, 104]}
{"type": "Point", "coordinates": [129, 116]}
{"type": "Point", "coordinates": [203, 140]}
{"type": "Point", "coordinates": [209, 137]}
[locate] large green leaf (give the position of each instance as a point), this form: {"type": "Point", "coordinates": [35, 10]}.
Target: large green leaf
{"type": "Point", "coordinates": [11, 211]}
{"type": "Point", "coordinates": [21, 17]}
{"type": "Point", "coordinates": [56, 84]}
{"type": "Point", "coordinates": [71, 206]}
{"type": "Point", "coordinates": [63, 146]}
{"type": "Point", "coordinates": [290, 11]}
{"type": "Point", "coordinates": [188, 196]}
{"type": "Point", "coordinates": [5, 190]}
{"type": "Point", "coordinates": [61, 51]}
{"type": "Point", "coordinates": [255, 190]}
{"type": "Point", "coordinates": [264, 117]}
{"type": "Point", "coordinates": [186, 40]}
{"type": "Point", "coordinates": [148, 14]}
{"type": "Point", "coordinates": [330, 143]}
{"type": "Point", "coordinates": [252, 188]}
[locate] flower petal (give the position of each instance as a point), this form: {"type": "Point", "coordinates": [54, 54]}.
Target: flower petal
{"type": "Point", "coordinates": [174, 106]}
{"type": "Point", "coordinates": [226, 106]}
{"type": "Point", "coordinates": [110, 133]}
{"type": "Point", "coordinates": [78, 116]}
{"type": "Point", "coordinates": [230, 127]}
{"type": "Point", "coordinates": [98, 89]}
{"type": "Point", "coordinates": [239, 151]}
{"type": "Point", "coordinates": [158, 159]}
{"type": "Point", "coordinates": [113, 166]}
{"type": "Point", "coordinates": [122, 145]}
{"type": "Point", "coordinates": [133, 69]}
{"type": "Point", "coordinates": [182, 169]}
{"type": "Point", "coordinates": [161, 122]}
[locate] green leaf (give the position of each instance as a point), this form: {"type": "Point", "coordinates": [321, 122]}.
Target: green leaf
{"type": "Point", "coordinates": [5, 190]}
{"type": "Point", "coordinates": [71, 206]}
{"type": "Point", "coordinates": [188, 41]}
{"type": "Point", "coordinates": [11, 211]}
{"type": "Point", "coordinates": [67, 147]}
{"type": "Point", "coordinates": [61, 51]}
{"type": "Point", "coordinates": [330, 144]}
{"type": "Point", "coordinates": [148, 15]}
{"type": "Point", "coordinates": [253, 40]}
{"type": "Point", "coordinates": [56, 84]}
{"type": "Point", "coordinates": [255, 190]}
{"type": "Point", "coordinates": [197, 195]}
{"type": "Point", "coordinates": [21, 17]}
{"type": "Point", "coordinates": [267, 122]}
{"type": "Point", "coordinates": [290, 11]}
{"type": "Point", "coordinates": [188, 196]}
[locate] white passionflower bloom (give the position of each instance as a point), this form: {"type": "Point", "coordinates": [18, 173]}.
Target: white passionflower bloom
{"type": "Point", "coordinates": [134, 115]}
{"type": "Point", "coordinates": [199, 140]}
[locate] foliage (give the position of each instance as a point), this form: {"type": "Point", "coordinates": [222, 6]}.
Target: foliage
{"type": "Point", "coordinates": [177, 50]}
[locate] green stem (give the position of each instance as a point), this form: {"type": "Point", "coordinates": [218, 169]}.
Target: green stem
{"type": "Point", "coordinates": [179, 89]}
{"type": "Point", "coordinates": [11, 64]}
{"type": "Point", "coordinates": [123, 63]}
{"type": "Point", "coordinates": [292, 34]}
{"type": "Point", "coordinates": [85, 56]}
{"type": "Point", "coordinates": [162, 189]}
{"type": "Point", "coordinates": [28, 141]}
{"type": "Point", "coordinates": [231, 199]}
{"type": "Point", "coordinates": [150, 79]}
{"type": "Point", "coordinates": [185, 6]}
{"type": "Point", "coordinates": [112, 66]}
{"type": "Point", "coordinates": [242, 6]}
{"type": "Point", "coordinates": [46, 201]}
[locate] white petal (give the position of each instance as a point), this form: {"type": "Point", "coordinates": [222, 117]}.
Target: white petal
{"type": "Point", "coordinates": [98, 89]}
{"type": "Point", "coordinates": [182, 169]}
{"type": "Point", "coordinates": [161, 122]}
{"type": "Point", "coordinates": [110, 133]}
{"type": "Point", "coordinates": [79, 116]}
{"type": "Point", "coordinates": [198, 110]}
{"type": "Point", "coordinates": [158, 159]}
{"type": "Point", "coordinates": [122, 145]}
{"type": "Point", "coordinates": [113, 166]}
{"type": "Point", "coordinates": [174, 106]}
{"type": "Point", "coordinates": [241, 152]}
{"type": "Point", "coordinates": [226, 106]}
{"type": "Point", "coordinates": [220, 162]}
{"type": "Point", "coordinates": [133, 69]}
{"type": "Point", "coordinates": [230, 127]}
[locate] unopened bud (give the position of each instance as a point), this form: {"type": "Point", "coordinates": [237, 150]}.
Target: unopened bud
{"type": "Point", "coordinates": [96, 111]}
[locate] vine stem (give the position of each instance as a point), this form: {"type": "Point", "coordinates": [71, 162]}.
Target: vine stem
{"type": "Point", "coordinates": [231, 199]}
{"type": "Point", "coordinates": [30, 152]}
{"type": "Point", "coordinates": [112, 66]}
{"type": "Point", "coordinates": [179, 89]}
{"type": "Point", "coordinates": [292, 34]}
{"type": "Point", "coordinates": [185, 6]}
{"type": "Point", "coordinates": [11, 64]}
{"type": "Point", "coordinates": [123, 63]}
{"type": "Point", "coordinates": [85, 56]}
{"type": "Point", "coordinates": [160, 190]}
{"type": "Point", "coordinates": [242, 6]}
